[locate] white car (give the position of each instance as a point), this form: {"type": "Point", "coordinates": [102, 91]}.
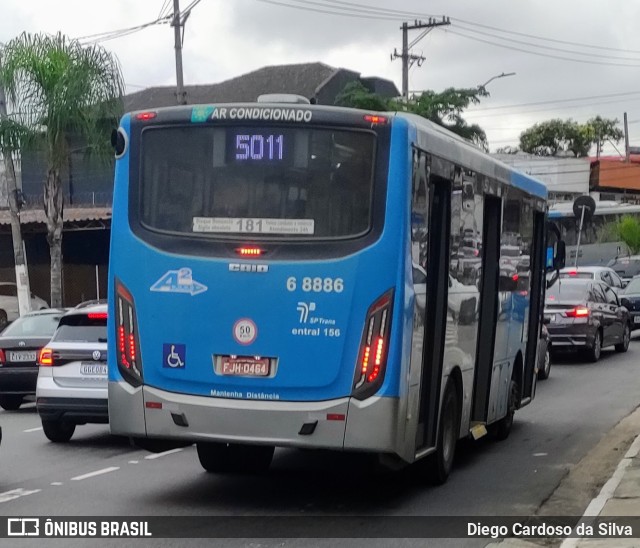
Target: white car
{"type": "Point", "coordinates": [72, 376]}
{"type": "Point", "coordinates": [9, 310]}
{"type": "Point", "coordinates": [464, 300]}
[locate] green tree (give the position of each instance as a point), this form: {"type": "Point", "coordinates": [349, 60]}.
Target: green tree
{"type": "Point", "coordinates": [355, 95]}
{"type": "Point", "coordinates": [561, 137]}
{"type": "Point", "coordinates": [443, 108]}
{"type": "Point", "coordinates": [629, 230]}
{"type": "Point", "coordinates": [64, 92]}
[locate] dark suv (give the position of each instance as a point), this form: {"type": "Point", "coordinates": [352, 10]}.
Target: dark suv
{"type": "Point", "coordinates": [586, 315]}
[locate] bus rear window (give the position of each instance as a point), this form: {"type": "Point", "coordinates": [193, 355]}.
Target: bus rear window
{"type": "Point", "coordinates": [264, 181]}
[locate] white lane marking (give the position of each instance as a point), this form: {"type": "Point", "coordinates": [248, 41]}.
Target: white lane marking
{"type": "Point", "coordinates": [96, 473]}
{"type": "Point", "coordinates": [16, 493]}
{"type": "Point", "coordinates": [33, 429]}
{"type": "Point", "coordinates": [56, 483]}
{"type": "Point", "coordinates": [540, 454]}
{"type": "Point", "coordinates": [608, 489]}
{"type": "Point", "coordinates": [158, 455]}
{"type": "Point", "coordinates": [133, 462]}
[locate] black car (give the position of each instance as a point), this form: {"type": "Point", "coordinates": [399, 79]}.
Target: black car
{"type": "Point", "coordinates": [20, 343]}
{"type": "Point", "coordinates": [586, 315]}
{"type": "Point", "coordinates": [630, 298]}
{"type": "Point", "coordinates": [626, 267]}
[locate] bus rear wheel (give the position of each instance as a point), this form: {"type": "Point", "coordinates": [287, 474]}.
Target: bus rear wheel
{"type": "Point", "coordinates": [438, 465]}
{"type": "Point", "coordinates": [223, 458]}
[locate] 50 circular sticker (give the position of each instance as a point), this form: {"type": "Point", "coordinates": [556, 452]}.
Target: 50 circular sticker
{"type": "Point", "coordinates": [245, 331]}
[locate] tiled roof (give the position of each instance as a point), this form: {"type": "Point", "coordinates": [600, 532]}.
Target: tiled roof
{"type": "Point", "coordinates": [302, 79]}
{"type": "Point", "coordinates": [71, 214]}
{"type": "Point", "coordinates": [306, 79]}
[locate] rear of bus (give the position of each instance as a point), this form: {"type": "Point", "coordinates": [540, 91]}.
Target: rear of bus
{"type": "Point", "coordinates": [257, 274]}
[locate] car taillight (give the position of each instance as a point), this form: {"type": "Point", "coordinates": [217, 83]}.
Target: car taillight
{"type": "Point", "coordinates": [45, 357]}
{"type": "Point", "coordinates": [374, 348]}
{"type": "Point", "coordinates": [578, 312]}
{"type": "Point", "coordinates": [3, 358]}
{"type": "Point", "coordinates": [127, 340]}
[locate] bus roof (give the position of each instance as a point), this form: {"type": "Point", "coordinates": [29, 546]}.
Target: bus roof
{"type": "Point", "coordinates": [437, 139]}
{"type": "Point", "coordinates": [604, 207]}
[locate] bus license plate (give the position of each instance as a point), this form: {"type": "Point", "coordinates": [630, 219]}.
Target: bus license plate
{"type": "Point", "coordinates": [244, 366]}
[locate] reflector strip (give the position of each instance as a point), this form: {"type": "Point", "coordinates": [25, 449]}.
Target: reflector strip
{"type": "Point", "coordinates": [153, 405]}
{"type": "Point", "coordinates": [336, 417]}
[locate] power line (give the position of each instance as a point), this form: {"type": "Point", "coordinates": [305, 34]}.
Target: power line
{"type": "Point", "coordinates": [552, 101]}
{"type": "Point", "coordinates": [551, 48]}
{"type": "Point", "coordinates": [540, 54]}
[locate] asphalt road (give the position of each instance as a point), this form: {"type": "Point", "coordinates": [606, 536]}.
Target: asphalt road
{"type": "Point", "coordinates": [100, 475]}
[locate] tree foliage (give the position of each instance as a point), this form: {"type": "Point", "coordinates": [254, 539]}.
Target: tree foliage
{"type": "Point", "coordinates": [61, 93]}
{"type": "Point", "coordinates": [444, 108]}
{"type": "Point", "coordinates": [558, 137]}
{"type": "Point", "coordinates": [629, 230]}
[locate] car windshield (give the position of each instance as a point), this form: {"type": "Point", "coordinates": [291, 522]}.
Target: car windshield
{"type": "Point", "coordinates": [82, 328]}
{"type": "Point", "coordinates": [633, 287]}
{"type": "Point", "coordinates": [566, 292]}
{"type": "Point", "coordinates": [42, 325]}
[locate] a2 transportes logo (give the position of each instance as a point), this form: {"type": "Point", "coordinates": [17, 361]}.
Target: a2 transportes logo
{"type": "Point", "coordinates": [178, 281]}
{"type": "Point", "coordinates": [174, 355]}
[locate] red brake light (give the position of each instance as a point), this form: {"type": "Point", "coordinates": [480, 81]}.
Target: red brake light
{"type": "Point", "coordinates": [127, 340]}
{"type": "Point", "coordinates": [376, 119]}
{"type": "Point", "coordinates": [573, 272]}
{"type": "Point", "coordinates": [515, 277]}
{"type": "Point", "coordinates": [97, 315]}
{"type": "Point", "coordinates": [145, 116]}
{"type": "Point", "coordinates": [372, 359]}
{"type": "Point", "coordinates": [249, 251]}
{"type": "Point", "coordinates": [476, 253]}
{"type": "Point", "coordinates": [45, 358]}
{"type": "Point", "coordinates": [3, 358]}
{"type": "Point", "coordinates": [578, 312]}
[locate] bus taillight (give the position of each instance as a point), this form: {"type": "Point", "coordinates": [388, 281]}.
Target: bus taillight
{"type": "Point", "coordinates": [372, 358]}
{"type": "Point", "coordinates": [127, 340]}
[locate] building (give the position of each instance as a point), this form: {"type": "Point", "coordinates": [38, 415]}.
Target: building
{"type": "Point", "coordinates": [565, 177]}
{"type": "Point", "coordinates": [616, 178]}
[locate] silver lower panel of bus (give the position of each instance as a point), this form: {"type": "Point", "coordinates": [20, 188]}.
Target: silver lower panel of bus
{"type": "Point", "coordinates": [345, 423]}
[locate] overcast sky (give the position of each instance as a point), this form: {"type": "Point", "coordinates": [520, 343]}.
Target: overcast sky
{"type": "Point", "coordinates": [574, 58]}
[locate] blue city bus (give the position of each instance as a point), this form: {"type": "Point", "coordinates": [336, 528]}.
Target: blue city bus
{"type": "Point", "coordinates": [271, 269]}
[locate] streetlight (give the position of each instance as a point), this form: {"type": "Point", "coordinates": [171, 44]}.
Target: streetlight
{"type": "Point", "coordinates": [482, 87]}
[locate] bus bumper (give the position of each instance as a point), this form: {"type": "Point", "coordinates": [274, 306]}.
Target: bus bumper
{"type": "Point", "coordinates": [343, 424]}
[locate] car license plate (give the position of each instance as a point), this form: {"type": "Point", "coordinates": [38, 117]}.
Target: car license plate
{"type": "Point", "coordinates": [636, 319]}
{"type": "Point", "coordinates": [22, 356]}
{"type": "Point", "coordinates": [93, 369]}
{"type": "Point", "coordinates": [244, 366]}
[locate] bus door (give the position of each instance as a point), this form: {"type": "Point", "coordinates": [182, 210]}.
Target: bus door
{"type": "Point", "coordinates": [435, 320]}
{"type": "Point", "coordinates": [537, 269]}
{"type": "Point", "coordinates": [489, 302]}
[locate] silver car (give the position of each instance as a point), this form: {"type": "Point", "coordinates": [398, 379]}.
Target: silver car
{"type": "Point", "coordinates": [72, 375]}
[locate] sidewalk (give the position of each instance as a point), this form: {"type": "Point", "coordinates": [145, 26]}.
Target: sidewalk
{"type": "Point", "coordinates": [620, 496]}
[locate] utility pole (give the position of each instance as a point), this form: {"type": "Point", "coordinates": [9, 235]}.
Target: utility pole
{"type": "Point", "coordinates": [15, 203]}
{"type": "Point", "coordinates": [408, 59]}
{"type": "Point", "coordinates": [178, 26]}
{"type": "Point", "coordinates": [626, 139]}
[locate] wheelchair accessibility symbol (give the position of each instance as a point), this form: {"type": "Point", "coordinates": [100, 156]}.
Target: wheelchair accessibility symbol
{"type": "Point", "coordinates": [174, 356]}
